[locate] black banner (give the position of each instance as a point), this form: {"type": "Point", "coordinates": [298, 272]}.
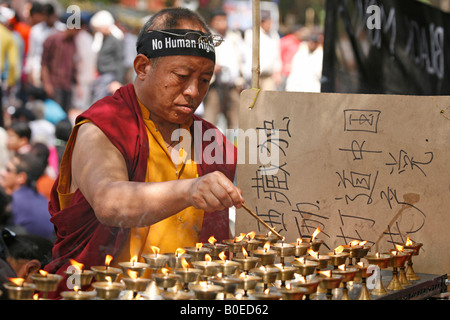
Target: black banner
{"type": "Point", "coordinates": [386, 47]}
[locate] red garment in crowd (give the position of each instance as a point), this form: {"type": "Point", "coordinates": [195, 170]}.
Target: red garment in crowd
{"type": "Point", "coordinates": [80, 236]}
{"type": "Point", "coordinates": [289, 46]}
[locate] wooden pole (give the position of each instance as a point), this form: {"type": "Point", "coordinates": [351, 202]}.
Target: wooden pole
{"type": "Point", "coordinates": [256, 16]}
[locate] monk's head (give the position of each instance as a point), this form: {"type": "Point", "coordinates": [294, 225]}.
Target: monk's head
{"type": "Point", "coordinates": [174, 64]}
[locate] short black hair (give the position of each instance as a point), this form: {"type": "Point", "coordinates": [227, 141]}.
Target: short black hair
{"type": "Point", "coordinates": [27, 246]}
{"type": "Point", "coordinates": [21, 128]}
{"type": "Point", "coordinates": [31, 165]}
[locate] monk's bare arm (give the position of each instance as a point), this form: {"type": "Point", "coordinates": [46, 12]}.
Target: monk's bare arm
{"type": "Point", "coordinates": [99, 171]}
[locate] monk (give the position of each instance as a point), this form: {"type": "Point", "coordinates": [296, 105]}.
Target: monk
{"type": "Point", "coordinates": [130, 177]}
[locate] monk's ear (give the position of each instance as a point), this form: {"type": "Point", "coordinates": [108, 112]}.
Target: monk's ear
{"type": "Point", "coordinates": [141, 66]}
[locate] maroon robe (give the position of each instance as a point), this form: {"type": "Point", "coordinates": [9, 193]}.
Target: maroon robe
{"type": "Point", "coordinates": [80, 236]}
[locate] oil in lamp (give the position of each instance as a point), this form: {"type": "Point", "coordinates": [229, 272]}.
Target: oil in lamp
{"type": "Point", "coordinates": [301, 248]}
{"type": "Point", "coordinates": [209, 268]}
{"type": "Point", "coordinates": [382, 261]}
{"type": "Point", "coordinates": [18, 289]}
{"type": "Point", "coordinates": [292, 293]}
{"type": "Point", "coordinates": [134, 282]}
{"type": "Point", "coordinates": [206, 291]}
{"type": "Point", "coordinates": [165, 279]}
{"type": "Point", "coordinates": [409, 244]}
{"type": "Point", "coordinates": [229, 284]}
{"type": "Point", "coordinates": [398, 260]}
{"type": "Point", "coordinates": [215, 247]}
{"type": "Point", "coordinates": [108, 289]}
{"type": "Point", "coordinates": [321, 259]}
{"type": "Point", "coordinates": [329, 282]}
{"type": "Point", "coordinates": [82, 277]}
{"type": "Point", "coordinates": [175, 258]}
{"type": "Point", "coordinates": [268, 274]}
{"type": "Point", "coordinates": [246, 262]}
{"type": "Point", "coordinates": [305, 267]}
{"type": "Point", "coordinates": [286, 273]}
{"type": "Point", "coordinates": [235, 245]}
{"type": "Point", "coordinates": [264, 238]}
{"type": "Point", "coordinates": [228, 267]}
{"type": "Point", "coordinates": [266, 255]}
{"type": "Point", "coordinates": [267, 294]}
{"type": "Point", "coordinates": [246, 282]}
{"type": "Point", "coordinates": [46, 282]}
{"type": "Point", "coordinates": [284, 250]}
{"type": "Point", "coordinates": [188, 275]}
{"type": "Point", "coordinates": [155, 261]}
{"type": "Point", "coordinates": [134, 265]}
{"type": "Point", "coordinates": [357, 250]}
{"type": "Point", "coordinates": [252, 243]}
{"type": "Point", "coordinates": [101, 272]}
{"type": "Point", "coordinates": [198, 252]}
{"type": "Point", "coordinates": [338, 257]}
{"type": "Point", "coordinates": [309, 284]}
{"type": "Point", "coordinates": [77, 294]}
{"type": "Point", "coordinates": [348, 274]}
{"type": "Point", "coordinates": [363, 273]}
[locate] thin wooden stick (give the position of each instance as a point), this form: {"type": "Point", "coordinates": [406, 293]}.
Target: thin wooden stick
{"type": "Point", "coordinates": [256, 17]}
{"type": "Point", "coordinates": [262, 221]}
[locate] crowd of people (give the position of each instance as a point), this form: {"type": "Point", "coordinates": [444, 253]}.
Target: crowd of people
{"type": "Point", "coordinates": [51, 73]}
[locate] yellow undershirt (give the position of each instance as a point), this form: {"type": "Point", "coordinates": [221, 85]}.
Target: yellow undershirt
{"type": "Point", "coordinates": [178, 231]}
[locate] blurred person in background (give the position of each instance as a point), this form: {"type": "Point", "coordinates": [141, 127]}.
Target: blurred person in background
{"type": "Point", "coordinates": [306, 72]}
{"type": "Point", "coordinates": [270, 53]}
{"type": "Point", "coordinates": [223, 94]}
{"type": "Point", "coordinates": [38, 34]}
{"type": "Point", "coordinates": [108, 46]}
{"type": "Point", "coordinates": [29, 208]}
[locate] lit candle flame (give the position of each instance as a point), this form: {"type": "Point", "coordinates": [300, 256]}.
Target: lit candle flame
{"type": "Point", "coordinates": [155, 250]}
{"type": "Point", "coordinates": [362, 243]}
{"type": "Point", "coordinates": [338, 249]}
{"type": "Point", "coordinates": [301, 260]}
{"type": "Point", "coordinates": [17, 281]}
{"type": "Point", "coordinates": [108, 260]}
{"type": "Point", "coordinates": [184, 263]}
{"type": "Point", "coordinates": [313, 253]}
{"type": "Point", "coordinates": [315, 234]}
{"type": "Point", "coordinates": [76, 288]}
{"type": "Point", "coordinates": [251, 235]}
{"type": "Point", "coordinates": [108, 279]}
{"type": "Point", "coordinates": [222, 256]}
{"type": "Point", "coordinates": [240, 238]}
{"type": "Point", "coordinates": [134, 259]}
{"type": "Point", "coordinates": [326, 273]}
{"type": "Point", "coordinates": [267, 291]}
{"type": "Point", "coordinates": [203, 284]}
{"type": "Point", "coordinates": [77, 265]}
{"type": "Point", "coordinates": [43, 272]}
{"type": "Point", "coordinates": [132, 274]}
{"type": "Point", "coordinates": [266, 246]}
{"type": "Point", "coordinates": [208, 258]}
{"type": "Point", "coordinates": [212, 240]}
{"type": "Point", "coordinates": [399, 247]}
{"type": "Point", "coordinates": [179, 252]}
{"type": "Point", "coordinates": [409, 242]}
{"type": "Point", "coordinates": [342, 267]}
{"type": "Point", "coordinates": [354, 243]}
{"type": "Point", "coordinates": [198, 246]}
{"type": "Point", "coordinates": [361, 264]}
{"type": "Point", "coordinates": [164, 270]}
{"type": "Point", "coordinates": [288, 286]}
{"type": "Point", "coordinates": [299, 240]}
{"type": "Point", "coordinates": [36, 296]}
{"type": "Point", "coordinates": [244, 252]}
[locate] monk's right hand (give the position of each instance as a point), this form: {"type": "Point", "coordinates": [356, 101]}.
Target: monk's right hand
{"type": "Point", "coordinates": [214, 191]}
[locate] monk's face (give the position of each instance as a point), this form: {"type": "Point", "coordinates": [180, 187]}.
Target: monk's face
{"type": "Point", "coordinates": [174, 86]}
